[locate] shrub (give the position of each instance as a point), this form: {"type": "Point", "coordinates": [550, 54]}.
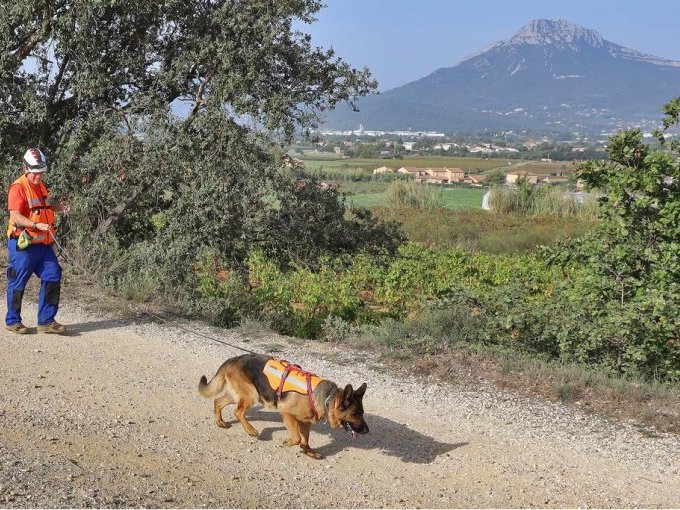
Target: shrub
{"type": "Point", "coordinates": [336, 329]}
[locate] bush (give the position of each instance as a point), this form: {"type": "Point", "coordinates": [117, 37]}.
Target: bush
{"type": "Point", "coordinates": [336, 329]}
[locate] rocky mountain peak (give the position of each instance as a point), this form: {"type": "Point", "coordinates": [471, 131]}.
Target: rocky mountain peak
{"type": "Point", "coordinates": [557, 32]}
{"type": "Point", "coordinates": [551, 76]}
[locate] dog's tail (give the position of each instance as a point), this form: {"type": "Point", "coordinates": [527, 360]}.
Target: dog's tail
{"type": "Point", "coordinates": [212, 388]}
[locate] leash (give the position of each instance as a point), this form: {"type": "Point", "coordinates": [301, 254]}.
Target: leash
{"type": "Point", "coordinates": [198, 333]}
{"type": "Point", "coordinates": [289, 367]}
{"type": "Point", "coordinates": [164, 320]}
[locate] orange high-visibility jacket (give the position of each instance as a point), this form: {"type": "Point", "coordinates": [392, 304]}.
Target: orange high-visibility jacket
{"type": "Point", "coordinates": [40, 207]}
{"type": "Point", "coordinates": [295, 381]}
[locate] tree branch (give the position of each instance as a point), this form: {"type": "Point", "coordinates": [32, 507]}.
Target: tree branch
{"type": "Point", "coordinates": [198, 98]}
{"type": "Point", "coordinates": [30, 42]}
{"type": "Point", "coordinates": [57, 80]}
{"type": "Point", "coordinates": [104, 226]}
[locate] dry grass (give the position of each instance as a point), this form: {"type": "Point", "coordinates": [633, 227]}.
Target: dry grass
{"type": "Point", "coordinates": [651, 407]}
{"type": "Point", "coordinates": [546, 167]}
{"type": "Point", "coordinates": [482, 230]}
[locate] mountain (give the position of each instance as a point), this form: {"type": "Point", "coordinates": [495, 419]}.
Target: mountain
{"type": "Point", "coordinates": [551, 76]}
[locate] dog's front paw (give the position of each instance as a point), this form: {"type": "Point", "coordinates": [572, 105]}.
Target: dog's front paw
{"type": "Point", "coordinates": [222, 424]}
{"type": "Point", "coordinates": [253, 432]}
{"type": "Point", "coordinates": [311, 453]}
{"type": "Point", "coordinates": [291, 442]}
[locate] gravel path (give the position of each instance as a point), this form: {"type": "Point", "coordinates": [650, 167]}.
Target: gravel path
{"type": "Point", "coordinates": [110, 416]}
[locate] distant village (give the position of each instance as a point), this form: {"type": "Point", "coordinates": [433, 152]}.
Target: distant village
{"type": "Point", "coordinates": [361, 143]}
{"type": "Point", "coordinates": [459, 176]}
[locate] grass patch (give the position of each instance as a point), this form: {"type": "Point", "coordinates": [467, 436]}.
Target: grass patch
{"type": "Point", "coordinates": [363, 187]}
{"type": "Point", "coordinates": [483, 230]}
{"type": "Point", "coordinates": [567, 392]}
{"type": "Point", "coordinates": [463, 198]}
{"type": "Point", "coordinates": [369, 200]}
{"type": "Point", "coordinates": [138, 288]}
{"type": "Point", "coordinates": [542, 201]}
{"type": "Point", "coordinates": [375, 194]}
{"type": "Point", "coordinates": [417, 196]}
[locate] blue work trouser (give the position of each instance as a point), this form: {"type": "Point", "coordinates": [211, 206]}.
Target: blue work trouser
{"type": "Point", "coordinates": [37, 259]}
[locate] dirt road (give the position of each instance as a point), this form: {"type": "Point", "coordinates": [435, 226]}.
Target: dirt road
{"type": "Point", "coordinates": [110, 416]}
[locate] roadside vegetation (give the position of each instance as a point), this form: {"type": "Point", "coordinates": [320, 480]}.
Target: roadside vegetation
{"type": "Point", "coordinates": [201, 213]}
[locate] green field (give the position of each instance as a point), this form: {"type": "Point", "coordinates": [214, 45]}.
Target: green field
{"type": "Point", "coordinates": [454, 198]}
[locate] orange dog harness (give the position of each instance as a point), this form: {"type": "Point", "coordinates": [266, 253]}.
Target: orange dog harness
{"type": "Point", "coordinates": [284, 376]}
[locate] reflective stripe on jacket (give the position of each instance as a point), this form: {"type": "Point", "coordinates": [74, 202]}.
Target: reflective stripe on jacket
{"type": "Point", "coordinates": [295, 381]}
{"type": "Point", "coordinates": [40, 207]}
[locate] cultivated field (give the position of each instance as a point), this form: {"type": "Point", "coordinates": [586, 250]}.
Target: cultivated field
{"type": "Point", "coordinates": [545, 167]}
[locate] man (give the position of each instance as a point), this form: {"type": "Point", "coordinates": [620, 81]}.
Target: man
{"type": "Point", "coordinates": [30, 237]}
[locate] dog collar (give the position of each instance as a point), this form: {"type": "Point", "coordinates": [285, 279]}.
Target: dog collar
{"type": "Point", "coordinates": [326, 402]}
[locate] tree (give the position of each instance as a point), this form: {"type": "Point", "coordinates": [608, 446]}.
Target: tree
{"type": "Point", "coordinates": [99, 85]}
{"type": "Point", "coordinates": [65, 64]}
{"type": "Point", "coordinates": [629, 292]}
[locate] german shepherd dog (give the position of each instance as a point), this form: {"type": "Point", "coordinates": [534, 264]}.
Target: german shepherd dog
{"type": "Point", "coordinates": [242, 381]}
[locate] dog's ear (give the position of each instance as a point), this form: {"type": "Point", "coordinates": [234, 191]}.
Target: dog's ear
{"type": "Point", "coordinates": [359, 392]}
{"type": "Point", "coordinates": [347, 396]}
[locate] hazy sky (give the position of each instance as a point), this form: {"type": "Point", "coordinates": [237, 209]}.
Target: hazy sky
{"type": "Point", "coordinates": [403, 40]}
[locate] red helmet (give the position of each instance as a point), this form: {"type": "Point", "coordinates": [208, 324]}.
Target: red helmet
{"type": "Point", "coordinates": [35, 161]}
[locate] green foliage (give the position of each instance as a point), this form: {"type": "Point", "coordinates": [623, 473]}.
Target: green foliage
{"type": "Point", "coordinates": [341, 175]}
{"type": "Point", "coordinates": [100, 61]}
{"type": "Point", "coordinates": [374, 194]}
{"type": "Point", "coordinates": [298, 301]}
{"type": "Point", "coordinates": [311, 222]}
{"type": "Point", "coordinates": [627, 294]}
{"type": "Point", "coordinates": [336, 329]}
{"type": "Point", "coordinates": [433, 331]}
{"type": "Point", "coordinates": [352, 174]}
{"type": "Point", "coordinates": [481, 230]}
{"type": "Point", "coordinates": [495, 178]}
{"type": "Point", "coordinates": [672, 116]}
{"type": "Point", "coordinates": [362, 289]}
{"type": "Point", "coordinates": [414, 195]}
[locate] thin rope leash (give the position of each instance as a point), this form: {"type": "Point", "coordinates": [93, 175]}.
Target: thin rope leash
{"type": "Point", "coordinates": [155, 316]}
{"type": "Point", "coordinates": [167, 321]}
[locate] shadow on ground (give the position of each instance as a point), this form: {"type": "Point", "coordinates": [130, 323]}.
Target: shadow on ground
{"type": "Point", "coordinates": [84, 327]}
{"type": "Point", "coordinates": [394, 439]}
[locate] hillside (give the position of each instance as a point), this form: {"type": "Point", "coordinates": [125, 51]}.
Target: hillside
{"type": "Point", "coordinates": [552, 76]}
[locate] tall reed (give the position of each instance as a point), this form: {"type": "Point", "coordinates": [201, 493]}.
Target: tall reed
{"type": "Point", "coordinates": [414, 195]}
{"type": "Point", "coordinates": [542, 201]}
